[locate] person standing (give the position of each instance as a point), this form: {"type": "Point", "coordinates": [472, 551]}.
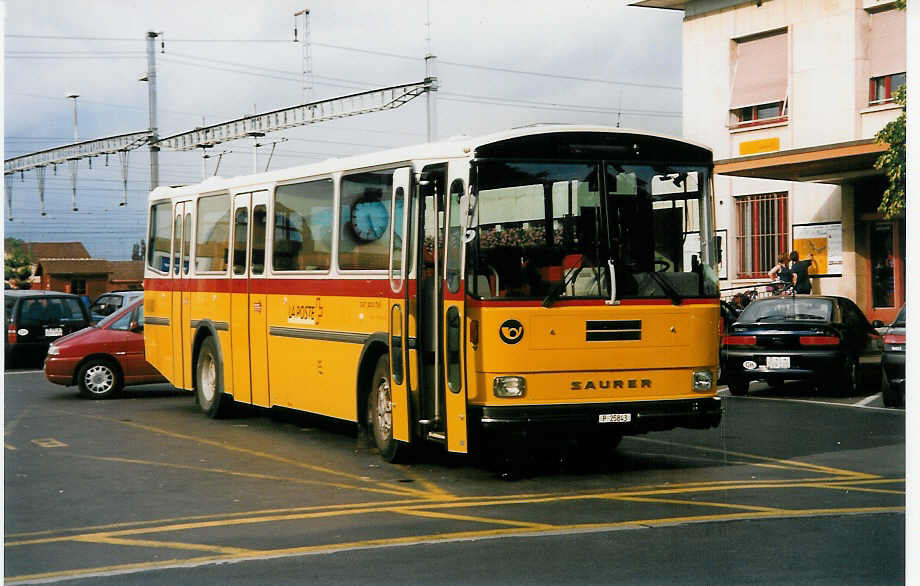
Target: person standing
{"type": "Point", "coordinates": [782, 273]}
{"type": "Point", "coordinates": [801, 283]}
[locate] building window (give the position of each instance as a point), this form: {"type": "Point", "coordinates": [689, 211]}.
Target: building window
{"type": "Point", "coordinates": [763, 232]}
{"type": "Point", "coordinates": [760, 79]}
{"type": "Point", "coordinates": [887, 54]}
{"type": "Point", "coordinates": [883, 87]}
{"type": "Point", "coordinates": [761, 114]}
{"type": "Point", "coordinates": [78, 286]}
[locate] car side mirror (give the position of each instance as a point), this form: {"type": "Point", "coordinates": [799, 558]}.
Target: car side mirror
{"type": "Point", "coordinates": [136, 327]}
{"type": "Point", "coordinates": [877, 323]}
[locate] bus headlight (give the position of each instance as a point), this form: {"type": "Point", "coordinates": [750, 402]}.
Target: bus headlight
{"type": "Point", "coordinates": [509, 386]}
{"type": "Point", "coordinates": [702, 380]}
{"type": "Point", "coordinates": [53, 350]}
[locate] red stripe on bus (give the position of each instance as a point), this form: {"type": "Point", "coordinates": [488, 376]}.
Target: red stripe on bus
{"type": "Point", "coordinates": [329, 287]}
{"type": "Point", "coordinates": [371, 288]}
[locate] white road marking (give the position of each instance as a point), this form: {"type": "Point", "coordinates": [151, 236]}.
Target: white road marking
{"type": "Point", "coordinates": [868, 400]}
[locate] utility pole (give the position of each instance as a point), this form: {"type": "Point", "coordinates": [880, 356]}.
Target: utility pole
{"type": "Point", "coordinates": [151, 78]}
{"type": "Point", "coordinates": [431, 77]}
{"type": "Point", "coordinates": [73, 96]}
{"type": "Point", "coordinates": [73, 162]}
{"type": "Point", "coordinates": [307, 60]}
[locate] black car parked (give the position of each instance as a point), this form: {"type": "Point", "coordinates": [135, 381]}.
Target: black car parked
{"type": "Point", "coordinates": [821, 339]}
{"type": "Point", "coordinates": [34, 319]}
{"type": "Point", "coordinates": [895, 345]}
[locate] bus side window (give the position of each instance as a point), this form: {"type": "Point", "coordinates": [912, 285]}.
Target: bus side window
{"type": "Point", "coordinates": [258, 239]}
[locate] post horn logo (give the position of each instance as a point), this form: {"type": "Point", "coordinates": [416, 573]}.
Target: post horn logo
{"type": "Point", "coordinates": [511, 331]}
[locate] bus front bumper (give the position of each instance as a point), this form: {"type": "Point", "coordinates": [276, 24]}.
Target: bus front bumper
{"type": "Point", "coordinates": [624, 418]}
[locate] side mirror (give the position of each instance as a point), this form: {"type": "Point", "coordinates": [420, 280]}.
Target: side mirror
{"type": "Point", "coordinates": [136, 327]}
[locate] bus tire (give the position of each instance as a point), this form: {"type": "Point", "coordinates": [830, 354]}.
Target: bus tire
{"type": "Point", "coordinates": [380, 413]}
{"type": "Point", "coordinates": [209, 382]}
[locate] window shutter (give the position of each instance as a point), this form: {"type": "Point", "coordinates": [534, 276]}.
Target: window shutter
{"type": "Point", "coordinates": [887, 43]}
{"type": "Point", "coordinates": [761, 68]}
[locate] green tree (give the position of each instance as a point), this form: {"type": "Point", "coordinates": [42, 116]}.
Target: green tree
{"type": "Point", "coordinates": [893, 162]}
{"type": "Point", "coordinates": [18, 264]}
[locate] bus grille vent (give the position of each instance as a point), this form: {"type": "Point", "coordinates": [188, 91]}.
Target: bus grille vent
{"type": "Point", "coordinates": [608, 331]}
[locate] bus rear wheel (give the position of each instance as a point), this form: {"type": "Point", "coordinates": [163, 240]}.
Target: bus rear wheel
{"type": "Point", "coordinates": [209, 386]}
{"type": "Point", "coordinates": [380, 413]}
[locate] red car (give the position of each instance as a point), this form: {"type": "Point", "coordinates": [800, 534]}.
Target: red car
{"type": "Point", "coordinates": [102, 359]}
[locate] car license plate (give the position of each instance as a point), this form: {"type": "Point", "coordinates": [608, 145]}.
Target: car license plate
{"type": "Point", "coordinates": [778, 362]}
{"type": "Point", "coordinates": [54, 332]}
{"type": "Point", "coordinates": [614, 418]}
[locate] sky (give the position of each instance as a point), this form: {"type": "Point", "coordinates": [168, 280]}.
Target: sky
{"type": "Point", "coordinates": [499, 64]}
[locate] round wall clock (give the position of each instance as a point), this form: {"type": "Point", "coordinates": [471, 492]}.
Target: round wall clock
{"type": "Point", "coordinates": [370, 219]}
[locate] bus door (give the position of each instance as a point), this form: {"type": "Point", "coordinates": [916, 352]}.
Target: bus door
{"type": "Point", "coordinates": [440, 313]}
{"type": "Point", "coordinates": [249, 334]}
{"type": "Point", "coordinates": [258, 299]}
{"type": "Point", "coordinates": [399, 304]}
{"type": "Point", "coordinates": [239, 301]}
{"type": "Point", "coordinates": [453, 313]}
{"type": "Point", "coordinates": [179, 311]}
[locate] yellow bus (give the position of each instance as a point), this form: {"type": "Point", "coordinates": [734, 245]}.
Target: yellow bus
{"type": "Point", "coordinates": [546, 279]}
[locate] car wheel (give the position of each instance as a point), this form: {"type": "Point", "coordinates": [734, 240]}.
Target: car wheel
{"type": "Point", "coordinates": [890, 396]}
{"type": "Point", "coordinates": [209, 382]}
{"type": "Point", "coordinates": [849, 377]}
{"type": "Point", "coordinates": [380, 413]}
{"type": "Point", "coordinates": [99, 378]}
{"type": "Point", "coordinates": [739, 387]}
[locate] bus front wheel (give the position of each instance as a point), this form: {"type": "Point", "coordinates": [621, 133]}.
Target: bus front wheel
{"type": "Point", "coordinates": [380, 413]}
{"type": "Point", "coordinates": [209, 381]}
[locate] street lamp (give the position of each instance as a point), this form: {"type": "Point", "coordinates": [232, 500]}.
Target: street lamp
{"type": "Point", "coordinates": [74, 96]}
{"type": "Point", "coordinates": [73, 161]}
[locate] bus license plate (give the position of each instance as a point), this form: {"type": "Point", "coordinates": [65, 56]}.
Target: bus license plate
{"type": "Point", "coordinates": [614, 418]}
{"type": "Point", "coordinates": [777, 362]}
{"type": "Point", "coordinates": [54, 332]}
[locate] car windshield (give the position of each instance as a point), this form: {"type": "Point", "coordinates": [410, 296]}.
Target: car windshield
{"type": "Point", "coordinates": [787, 309]}
{"type": "Point", "coordinates": [554, 229]}
{"type": "Point", "coordinates": [901, 319]}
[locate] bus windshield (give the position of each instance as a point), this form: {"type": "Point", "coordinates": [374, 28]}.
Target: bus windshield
{"type": "Point", "coordinates": [547, 230]}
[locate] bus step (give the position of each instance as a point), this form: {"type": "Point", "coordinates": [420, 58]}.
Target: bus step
{"type": "Point", "coordinates": [437, 436]}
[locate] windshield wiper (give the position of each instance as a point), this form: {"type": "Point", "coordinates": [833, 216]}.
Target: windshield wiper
{"type": "Point", "coordinates": [559, 289]}
{"type": "Point", "coordinates": [668, 288]}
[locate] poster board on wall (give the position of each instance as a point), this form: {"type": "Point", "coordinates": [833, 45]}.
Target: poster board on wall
{"type": "Point", "coordinates": [692, 247]}
{"type": "Point", "coordinates": [824, 240]}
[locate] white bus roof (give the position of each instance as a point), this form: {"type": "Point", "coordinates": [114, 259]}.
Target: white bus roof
{"type": "Point", "coordinates": [454, 147]}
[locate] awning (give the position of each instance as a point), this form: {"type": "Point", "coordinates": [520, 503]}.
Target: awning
{"type": "Point", "coordinates": [833, 163]}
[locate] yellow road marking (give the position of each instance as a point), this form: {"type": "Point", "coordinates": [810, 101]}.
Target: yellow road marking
{"type": "Point", "coordinates": [475, 519]}
{"type": "Point", "coordinates": [432, 488]}
{"type": "Point", "coordinates": [49, 442]}
{"type": "Point", "coordinates": [795, 464]}
{"type": "Point", "coordinates": [103, 538]}
{"type": "Point", "coordinates": [447, 537]}
{"type": "Point", "coordinates": [860, 488]}
{"type": "Point", "coordinates": [427, 506]}
{"type": "Point", "coordinates": [9, 427]}
{"type": "Point", "coordinates": [404, 490]}
{"type": "Point", "coordinates": [242, 474]}
{"type": "Point", "coordinates": [700, 503]}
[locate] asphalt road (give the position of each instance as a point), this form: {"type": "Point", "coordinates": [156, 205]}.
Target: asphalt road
{"type": "Point", "coordinates": [143, 489]}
